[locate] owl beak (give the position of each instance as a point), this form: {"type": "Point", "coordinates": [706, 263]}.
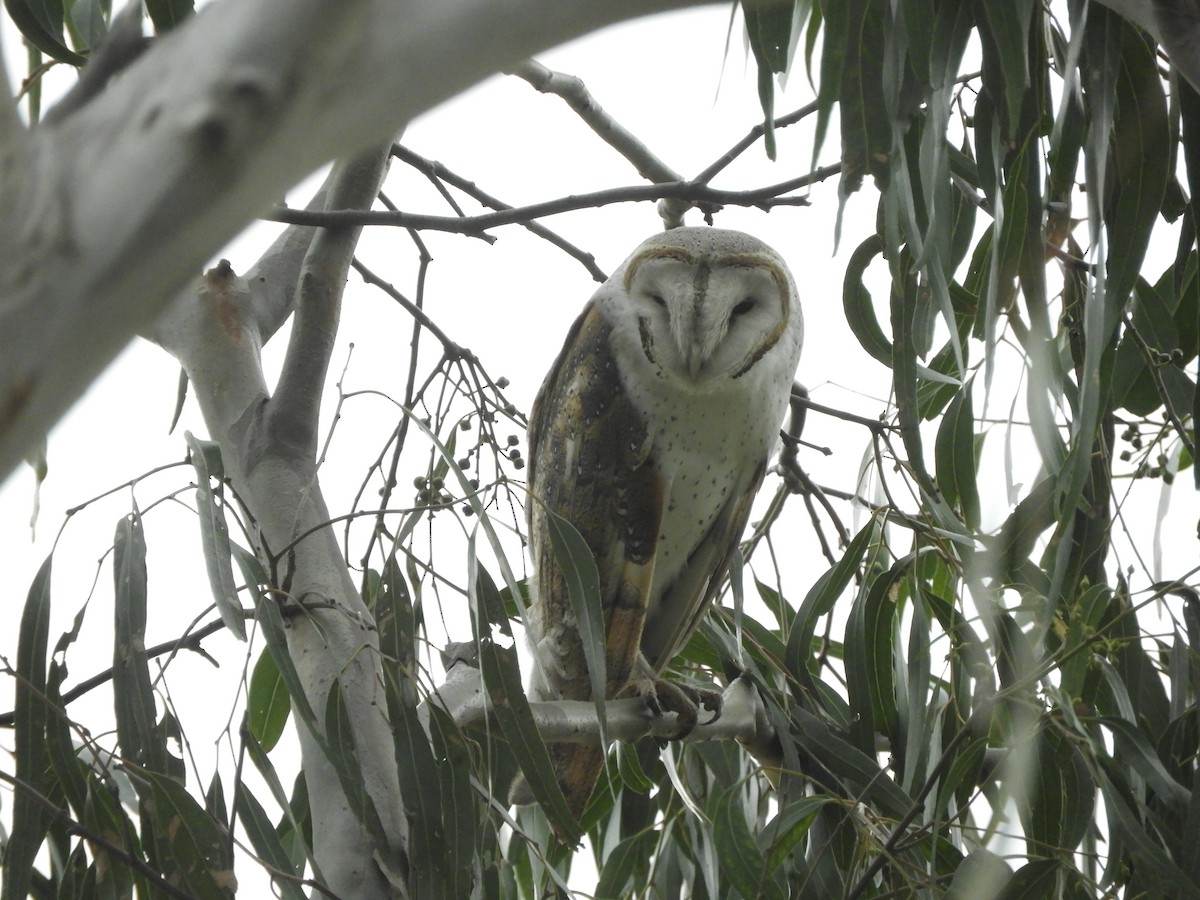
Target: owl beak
{"type": "Point", "coordinates": [692, 343]}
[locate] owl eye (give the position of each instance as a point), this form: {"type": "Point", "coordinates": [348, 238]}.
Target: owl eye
{"type": "Point", "coordinates": [743, 307]}
{"type": "Point", "coordinates": [659, 299]}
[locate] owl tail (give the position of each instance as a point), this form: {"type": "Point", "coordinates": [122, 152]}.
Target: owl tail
{"type": "Point", "coordinates": [577, 768]}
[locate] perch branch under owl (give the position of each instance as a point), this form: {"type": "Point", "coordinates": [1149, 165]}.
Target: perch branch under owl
{"type": "Point", "coordinates": [743, 717]}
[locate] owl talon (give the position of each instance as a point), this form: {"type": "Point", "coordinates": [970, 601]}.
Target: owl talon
{"type": "Point", "coordinates": [682, 699]}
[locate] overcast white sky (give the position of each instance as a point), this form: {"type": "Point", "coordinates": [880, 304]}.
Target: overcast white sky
{"type": "Point", "coordinates": [669, 81]}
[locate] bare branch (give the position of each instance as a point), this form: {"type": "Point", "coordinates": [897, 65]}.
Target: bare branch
{"type": "Point", "coordinates": [439, 173]}
{"type": "Point", "coordinates": [296, 405]}
{"type": "Point", "coordinates": [764, 198]}
{"type": "Point", "coordinates": [754, 135]}
{"type": "Point", "coordinates": [572, 90]}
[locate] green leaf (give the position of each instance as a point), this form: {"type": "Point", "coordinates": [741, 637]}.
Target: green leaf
{"type": "Point", "coordinates": [858, 773]}
{"type": "Point", "coordinates": [502, 678]}
{"type": "Point", "coordinates": [30, 820]}
{"type": "Point", "coordinates": [820, 601]}
{"type": "Point", "coordinates": [102, 814]}
{"type": "Point", "coordinates": [954, 456]}
{"type": "Point", "coordinates": [582, 580]}
{"type": "Point", "coordinates": [41, 22]}
{"type": "Point", "coordinates": [296, 822]}
{"type": "Point", "coordinates": [214, 535]}
{"type": "Point", "coordinates": [68, 768]}
{"type": "Point", "coordinates": [1145, 850]}
{"type": "Point", "coordinates": [166, 14]}
{"type": "Point", "coordinates": [89, 21]}
{"type": "Point", "coordinates": [1060, 798]}
{"type": "Point", "coordinates": [459, 855]}
{"type": "Point", "coordinates": [196, 842]}
{"type": "Point", "coordinates": [1132, 747]}
{"type": "Point", "coordinates": [741, 860]}
{"type": "Point", "coordinates": [616, 877]}
{"type": "Point", "coordinates": [788, 828]}
{"type": "Point", "coordinates": [866, 129]}
{"type": "Point", "coordinates": [341, 750]}
{"type": "Point", "coordinates": [1140, 159]}
{"type": "Point", "coordinates": [266, 843]}
{"type": "Point", "coordinates": [856, 302]}
{"type": "Point", "coordinates": [419, 786]}
{"type": "Point", "coordinates": [1037, 878]}
{"type": "Point", "coordinates": [268, 704]}
{"type": "Point", "coordinates": [870, 633]}
{"type": "Point", "coordinates": [142, 742]}
{"type": "Point", "coordinates": [1004, 35]}
{"type": "Point", "coordinates": [271, 624]}
{"type": "Point", "coordinates": [904, 380]}
{"type": "Point", "coordinates": [769, 30]}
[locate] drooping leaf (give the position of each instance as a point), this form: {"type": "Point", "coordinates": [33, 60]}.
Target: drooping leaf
{"type": "Point", "coordinates": [769, 29]}
{"type": "Point", "coordinates": [268, 705]}
{"type": "Point", "coordinates": [196, 842]}
{"type": "Point", "coordinates": [214, 535]}
{"type": "Point", "coordinates": [502, 678]}
{"type": "Point", "coordinates": [582, 580]}
{"type": "Point", "coordinates": [740, 858]}
{"type": "Point", "coordinates": [30, 819]}
{"type": "Point", "coordinates": [954, 456]}
{"type": "Point", "coordinates": [820, 600]}
{"type": "Point", "coordinates": [266, 843]}
{"type": "Point", "coordinates": [41, 22]}
{"type": "Point", "coordinates": [142, 741]}
{"type": "Point", "coordinates": [856, 302]}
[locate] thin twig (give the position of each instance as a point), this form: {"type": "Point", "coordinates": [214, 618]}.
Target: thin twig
{"type": "Point", "coordinates": [438, 174]}
{"type": "Point", "coordinates": [1153, 364]}
{"type": "Point", "coordinates": [576, 95]}
{"type": "Point", "coordinates": [190, 641]}
{"type": "Point", "coordinates": [751, 138]}
{"type": "Point", "coordinates": [766, 197]}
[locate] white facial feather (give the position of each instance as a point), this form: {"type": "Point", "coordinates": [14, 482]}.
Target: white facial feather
{"type": "Point", "coordinates": [707, 331]}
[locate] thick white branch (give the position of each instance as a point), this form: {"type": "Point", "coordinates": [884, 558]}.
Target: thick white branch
{"type": "Point", "coordinates": [267, 444]}
{"type": "Point", "coordinates": [106, 214]}
{"type": "Point", "coordinates": [742, 718]}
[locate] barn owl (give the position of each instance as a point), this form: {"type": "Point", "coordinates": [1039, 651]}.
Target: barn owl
{"type": "Point", "coordinates": [651, 435]}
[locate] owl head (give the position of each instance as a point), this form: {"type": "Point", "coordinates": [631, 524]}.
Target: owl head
{"type": "Point", "coordinates": [708, 305]}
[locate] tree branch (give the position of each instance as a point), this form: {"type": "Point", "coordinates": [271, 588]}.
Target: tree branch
{"type": "Point", "coordinates": [269, 457]}
{"type": "Point", "coordinates": [574, 92]}
{"type": "Point", "coordinates": [439, 173]}
{"type": "Point", "coordinates": [105, 214]}
{"type": "Point", "coordinates": [742, 717]}
{"type": "Point", "coordinates": [764, 198]}
{"type": "Point", "coordinates": [296, 405]}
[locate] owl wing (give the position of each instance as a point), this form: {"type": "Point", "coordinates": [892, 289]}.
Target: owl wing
{"type": "Point", "coordinates": [687, 599]}
{"type": "Point", "coordinates": [590, 463]}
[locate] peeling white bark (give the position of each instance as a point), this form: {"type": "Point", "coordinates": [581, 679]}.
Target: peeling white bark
{"type": "Point", "coordinates": [105, 214]}
{"type": "Point", "coordinates": [268, 441]}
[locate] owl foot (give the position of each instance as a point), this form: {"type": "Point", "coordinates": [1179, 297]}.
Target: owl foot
{"type": "Point", "coordinates": [684, 700]}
